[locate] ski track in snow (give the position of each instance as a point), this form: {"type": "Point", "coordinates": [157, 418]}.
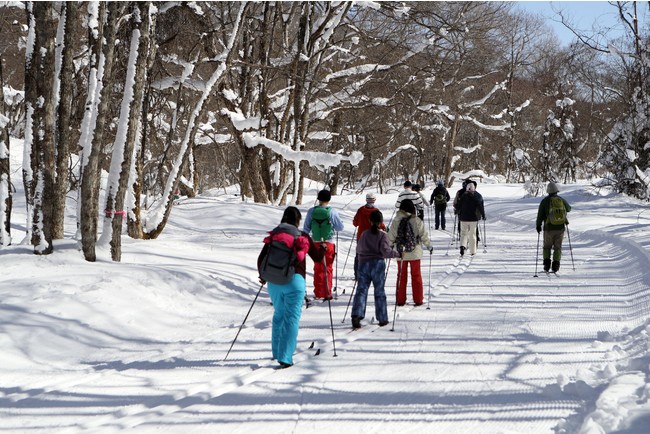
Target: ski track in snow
{"type": "Point", "coordinates": [484, 358]}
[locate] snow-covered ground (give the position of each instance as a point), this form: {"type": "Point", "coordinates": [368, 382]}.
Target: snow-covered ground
{"type": "Point", "coordinates": [139, 346]}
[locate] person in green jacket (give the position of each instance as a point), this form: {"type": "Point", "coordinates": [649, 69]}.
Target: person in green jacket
{"type": "Point", "coordinates": [553, 213]}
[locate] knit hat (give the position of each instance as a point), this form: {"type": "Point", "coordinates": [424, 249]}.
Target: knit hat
{"type": "Point", "coordinates": [371, 198]}
{"type": "Point", "coordinates": [552, 188]}
{"type": "Point", "coordinates": [324, 196]}
{"type": "Point", "coordinates": [408, 184]}
{"type": "Point", "coordinates": [408, 206]}
{"type": "Point", "coordinates": [440, 183]}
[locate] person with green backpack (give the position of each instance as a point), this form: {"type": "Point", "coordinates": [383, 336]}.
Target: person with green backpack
{"type": "Point", "coordinates": [322, 221]}
{"type": "Point", "coordinates": [553, 213]}
{"type": "Point", "coordinates": [439, 199]}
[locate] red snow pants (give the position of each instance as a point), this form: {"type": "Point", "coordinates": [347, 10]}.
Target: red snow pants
{"type": "Point", "coordinates": [323, 287]}
{"type": "Point", "coordinates": [416, 282]}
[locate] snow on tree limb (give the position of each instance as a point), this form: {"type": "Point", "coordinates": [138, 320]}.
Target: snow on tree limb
{"type": "Point", "coordinates": [319, 159]}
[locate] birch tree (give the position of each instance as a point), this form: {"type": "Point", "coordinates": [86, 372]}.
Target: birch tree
{"type": "Point", "coordinates": [128, 129]}
{"type": "Point", "coordinates": [6, 196]}
{"type": "Point", "coordinates": [102, 32]}
{"type": "Point", "coordinates": [41, 74]}
{"type": "Point", "coordinates": [63, 94]}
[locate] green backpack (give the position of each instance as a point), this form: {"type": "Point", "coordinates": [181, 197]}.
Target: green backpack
{"type": "Point", "coordinates": [557, 211]}
{"type": "Point", "coordinates": [321, 225]}
{"type": "Point", "coordinates": [440, 199]}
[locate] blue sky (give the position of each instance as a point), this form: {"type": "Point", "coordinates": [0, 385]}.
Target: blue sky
{"type": "Point", "coordinates": [583, 14]}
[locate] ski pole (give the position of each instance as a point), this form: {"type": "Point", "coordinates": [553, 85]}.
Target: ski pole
{"type": "Point", "coordinates": [329, 304]}
{"type": "Point", "coordinates": [349, 301]}
{"type": "Point", "coordinates": [484, 238]}
{"type": "Point", "coordinates": [429, 295]}
{"type": "Point", "coordinates": [336, 268]}
{"type": "Point", "coordinates": [453, 236]}
{"type": "Point", "coordinates": [399, 272]}
{"type": "Point", "coordinates": [350, 249]}
{"type": "Point", "coordinates": [536, 256]}
{"type": "Point", "coordinates": [244, 322]}
{"type": "Point", "coordinates": [570, 247]}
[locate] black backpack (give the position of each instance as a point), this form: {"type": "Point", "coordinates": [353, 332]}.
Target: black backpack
{"type": "Point", "coordinates": [406, 239]}
{"type": "Point", "coordinates": [278, 266]}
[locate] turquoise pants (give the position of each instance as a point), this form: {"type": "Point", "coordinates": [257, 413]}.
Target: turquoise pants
{"type": "Point", "coordinates": [287, 304]}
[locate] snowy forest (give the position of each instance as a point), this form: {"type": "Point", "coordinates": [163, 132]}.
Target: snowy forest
{"type": "Point", "coordinates": [124, 106]}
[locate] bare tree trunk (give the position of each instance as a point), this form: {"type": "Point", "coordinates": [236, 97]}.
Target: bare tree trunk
{"type": "Point", "coordinates": [5, 170]}
{"type": "Point", "coordinates": [44, 116]}
{"type": "Point", "coordinates": [450, 149]}
{"type": "Point", "coordinates": [31, 68]}
{"type": "Point", "coordinates": [134, 221]}
{"type": "Point", "coordinates": [102, 68]}
{"type": "Point", "coordinates": [140, 35]}
{"type": "Point", "coordinates": [64, 114]}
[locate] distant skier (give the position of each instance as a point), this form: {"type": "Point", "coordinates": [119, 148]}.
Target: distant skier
{"type": "Point", "coordinates": [423, 203]}
{"type": "Point", "coordinates": [470, 210]}
{"type": "Point", "coordinates": [408, 193]}
{"type": "Point", "coordinates": [372, 248]}
{"type": "Point", "coordinates": [439, 199]}
{"type": "Point", "coordinates": [287, 298]}
{"type": "Point", "coordinates": [553, 213]}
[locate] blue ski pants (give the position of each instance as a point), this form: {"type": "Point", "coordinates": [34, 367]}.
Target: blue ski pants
{"type": "Point", "coordinates": [287, 304]}
{"type": "Point", "coordinates": [371, 271]}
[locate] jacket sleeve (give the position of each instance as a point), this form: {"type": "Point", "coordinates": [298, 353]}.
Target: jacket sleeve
{"type": "Point", "coordinates": [261, 256]}
{"type": "Point", "coordinates": [337, 223]}
{"type": "Point", "coordinates": [541, 212]}
{"type": "Point", "coordinates": [385, 249]}
{"type": "Point", "coordinates": [392, 231]}
{"type": "Point", "coordinates": [355, 219]}
{"type": "Point", "coordinates": [315, 253]}
{"type": "Point", "coordinates": [424, 235]}
{"type": "Point", "coordinates": [307, 225]}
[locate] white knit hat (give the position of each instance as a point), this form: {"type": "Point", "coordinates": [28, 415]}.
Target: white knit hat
{"type": "Point", "coordinates": [370, 197]}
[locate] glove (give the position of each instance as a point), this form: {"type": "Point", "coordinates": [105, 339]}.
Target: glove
{"type": "Point", "coordinates": [431, 250]}
{"type": "Point", "coordinates": [323, 247]}
{"type": "Point", "coordinates": [539, 229]}
{"type": "Point", "coordinates": [262, 281]}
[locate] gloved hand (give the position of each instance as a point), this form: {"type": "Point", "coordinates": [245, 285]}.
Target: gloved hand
{"type": "Point", "coordinates": [539, 229]}
{"type": "Point", "coordinates": [431, 250]}
{"type": "Point", "coordinates": [262, 281]}
{"type": "Point", "coordinates": [323, 247]}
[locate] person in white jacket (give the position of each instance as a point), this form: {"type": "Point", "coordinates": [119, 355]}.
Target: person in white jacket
{"type": "Point", "coordinates": [410, 258]}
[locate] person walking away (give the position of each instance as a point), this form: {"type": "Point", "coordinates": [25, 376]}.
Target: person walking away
{"type": "Point", "coordinates": [407, 235]}
{"type": "Point", "coordinates": [322, 221]}
{"type": "Point", "coordinates": [408, 193]}
{"type": "Point", "coordinates": [552, 212]}
{"type": "Point", "coordinates": [288, 297]}
{"type": "Point", "coordinates": [361, 221]}
{"type": "Point", "coordinates": [456, 203]}
{"type": "Point", "coordinates": [439, 199]}
{"type": "Point", "coordinates": [372, 248]}
{"type": "Point", "coordinates": [470, 210]}
{"type": "Point", "coordinates": [420, 208]}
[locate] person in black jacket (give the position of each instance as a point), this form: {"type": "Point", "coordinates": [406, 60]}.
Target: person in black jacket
{"type": "Point", "coordinates": [470, 211]}
{"type": "Point", "coordinates": [439, 199]}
